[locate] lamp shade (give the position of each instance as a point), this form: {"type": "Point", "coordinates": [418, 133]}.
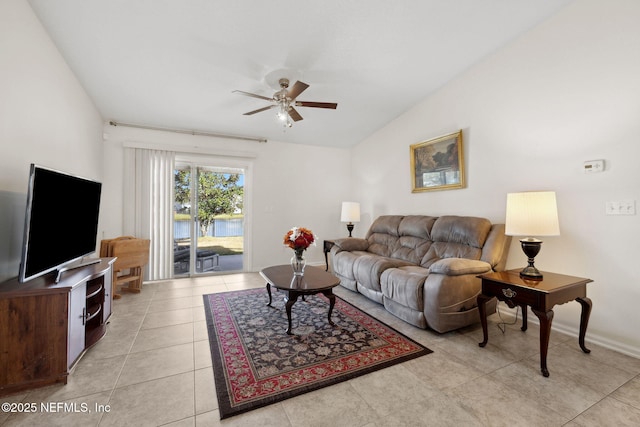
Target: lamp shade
{"type": "Point", "coordinates": [533, 213]}
{"type": "Point", "coordinates": [350, 212]}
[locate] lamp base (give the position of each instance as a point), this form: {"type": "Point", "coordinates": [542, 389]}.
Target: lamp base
{"type": "Point", "coordinates": [531, 272]}
{"type": "Point", "coordinates": [350, 228]}
{"type": "Point", "coordinates": [530, 247]}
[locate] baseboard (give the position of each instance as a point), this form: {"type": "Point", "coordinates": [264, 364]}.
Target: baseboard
{"type": "Point", "coordinates": [600, 340]}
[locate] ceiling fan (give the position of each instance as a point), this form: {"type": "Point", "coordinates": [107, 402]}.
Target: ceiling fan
{"type": "Point", "coordinates": [285, 99]}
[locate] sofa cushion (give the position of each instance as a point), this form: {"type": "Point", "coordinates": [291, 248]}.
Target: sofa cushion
{"type": "Point", "coordinates": [468, 230]}
{"type": "Point", "coordinates": [383, 235]}
{"type": "Point", "coordinates": [405, 285]}
{"type": "Point", "coordinates": [459, 266]}
{"type": "Point", "coordinates": [496, 247]}
{"type": "Point", "coordinates": [368, 268]}
{"type": "Point", "coordinates": [351, 244]}
{"type": "Point", "coordinates": [414, 238]}
{"type": "Point", "coordinates": [417, 226]}
{"type": "Point", "coordinates": [443, 250]}
{"type": "Point", "coordinates": [385, 224]}
{"type": "Point", "coordinates": [342, 265]}
{"type": "Point", "coordinates": [457, 237]}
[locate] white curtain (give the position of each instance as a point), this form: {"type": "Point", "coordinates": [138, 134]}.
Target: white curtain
{"type": "Point", "coordinates": [148, 205]}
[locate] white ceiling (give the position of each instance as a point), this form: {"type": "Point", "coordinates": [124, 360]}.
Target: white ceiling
{"type": "Point", "coordinates": [174, 63]}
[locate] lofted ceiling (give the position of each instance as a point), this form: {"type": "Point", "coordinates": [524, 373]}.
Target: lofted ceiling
{"type": "Point", "coordinates": [174, 63]}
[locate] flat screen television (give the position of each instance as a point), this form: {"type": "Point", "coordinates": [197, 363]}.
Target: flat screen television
{"type": "Point", "coordinates": [61, 221]}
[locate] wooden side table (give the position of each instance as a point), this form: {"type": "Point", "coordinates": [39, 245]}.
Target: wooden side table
{"type": "Point", "coordinates": [328, 244]}
{"type": "Point", "coordinates": [541, 296]}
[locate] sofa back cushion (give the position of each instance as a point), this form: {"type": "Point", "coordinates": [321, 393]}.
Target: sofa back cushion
{"type": "Point", "coordinates": [414, 241]}
{"type": "Point", "coordinates": [423, 240]}
{"type": "Point", "coordinates": [496, 248]}
{"type": "Point", "coordinates": [383, 235]}
{"type": "Point", "coordinates": [457, 237]}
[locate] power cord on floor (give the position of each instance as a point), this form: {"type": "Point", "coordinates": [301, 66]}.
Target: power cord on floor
{"type": "Point", "coordinates": [502, 325]}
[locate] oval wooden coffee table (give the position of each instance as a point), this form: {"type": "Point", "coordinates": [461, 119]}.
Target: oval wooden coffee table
{"type": "Point", "coordinates": [314, 281]}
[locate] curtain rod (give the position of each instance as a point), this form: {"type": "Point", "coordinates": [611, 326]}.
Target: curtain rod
{"type": "Point", "coordinates": [190, 132]}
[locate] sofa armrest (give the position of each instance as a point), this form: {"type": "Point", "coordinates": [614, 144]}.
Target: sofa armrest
{"type": "Point", "coordinates": [351, 244]}
{"type": "Point", "coordinates": [459, 266]}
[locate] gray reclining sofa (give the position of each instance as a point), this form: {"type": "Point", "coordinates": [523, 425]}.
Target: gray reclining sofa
{"type": "Point", "coordinates": [422, 268]}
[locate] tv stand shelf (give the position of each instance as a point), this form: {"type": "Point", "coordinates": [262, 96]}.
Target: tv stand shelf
{"type": "Point", "coordinates": [45, 326]}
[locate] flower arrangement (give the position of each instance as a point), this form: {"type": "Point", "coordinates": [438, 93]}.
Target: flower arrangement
{"type": "Point", "coordinates": [299, 239]}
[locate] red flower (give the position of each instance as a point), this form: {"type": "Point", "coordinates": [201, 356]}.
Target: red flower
{"type": "Point", "coordinates": [299, 238]}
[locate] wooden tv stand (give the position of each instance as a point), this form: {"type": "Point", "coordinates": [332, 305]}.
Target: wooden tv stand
{"type": "Point", "coordinates": [46, 326]}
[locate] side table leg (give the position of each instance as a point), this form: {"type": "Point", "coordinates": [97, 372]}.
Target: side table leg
{"type": "Point", "coordinates": [524, 317]}
{"type": "Point", "coordinates": [293, 297]}
{"type": "Point", "coordinates": [482, 310]}
{"type": "Point", "coordinates": [332, 302]}
{"type": "Point", "coordinates": [269, 292]}
{"type": "Point", "coordinates": [545, 330]}
{"type": "Point", "coordinates": [584, 321]}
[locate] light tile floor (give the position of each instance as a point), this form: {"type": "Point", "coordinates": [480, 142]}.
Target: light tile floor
{"type": "Point", "coordinates": [154, 368]}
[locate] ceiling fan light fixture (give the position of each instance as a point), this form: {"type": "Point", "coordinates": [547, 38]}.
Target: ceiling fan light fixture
{"type": "Point", "coordinates": [284, 100]}
{"type": "Point", "coordinates": [283, 112]}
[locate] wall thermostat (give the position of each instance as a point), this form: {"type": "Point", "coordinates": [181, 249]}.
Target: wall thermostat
{"type": "Point", "coordinates": [592, 166]}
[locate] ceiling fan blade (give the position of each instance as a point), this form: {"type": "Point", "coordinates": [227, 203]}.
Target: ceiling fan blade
{"type": "Point", "coordinates": [331, 105]}
{"type": "Point", "coordinates": [294, 114]}
{"type": "Point", "coordinates": [297, 89]}
{"type": "Point", "coordinates": [259, 110]}
{"type": "Point", "coordinates": [253, 95]}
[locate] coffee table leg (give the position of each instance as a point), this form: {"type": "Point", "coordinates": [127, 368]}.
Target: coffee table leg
{"type": "Point", "coordinates": [584, 321]}
{"type": "Point", "coordinates": [293, 297]}
{"type": "Point", "coordinates": [269, 292]}
{"type": "Point", "coordinates": [332, 302]}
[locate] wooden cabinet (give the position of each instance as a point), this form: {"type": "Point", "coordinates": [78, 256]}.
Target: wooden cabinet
{"type": "Point", "coordinates": [46, 326]}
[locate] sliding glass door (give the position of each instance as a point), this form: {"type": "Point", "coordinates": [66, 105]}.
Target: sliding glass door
{"type": "Point", "coordinates": [208, 219]}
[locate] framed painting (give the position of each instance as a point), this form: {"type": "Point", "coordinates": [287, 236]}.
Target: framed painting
{"type": "Point", "coordinates": [438, 164]}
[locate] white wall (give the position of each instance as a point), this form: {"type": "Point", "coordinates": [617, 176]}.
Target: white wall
{"type": "Point", "coordinates": [290, 185]}
{"type": "Point", "coordinates": [45, 118]}
{"type": "Point", "coordinates": [566, 92]}
{"type": "Point", "coordinates": [532, 113]}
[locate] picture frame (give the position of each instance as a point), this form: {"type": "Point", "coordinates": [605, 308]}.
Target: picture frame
{"type": "Point", "coordinates": [438, 163]}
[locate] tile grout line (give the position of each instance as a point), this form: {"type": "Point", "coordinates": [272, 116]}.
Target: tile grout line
{"type": "Point", "coordinates": [126, 358]}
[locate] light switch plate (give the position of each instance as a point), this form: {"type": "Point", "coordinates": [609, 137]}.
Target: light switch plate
{"type": "Point", "coordinates": [621, 207]}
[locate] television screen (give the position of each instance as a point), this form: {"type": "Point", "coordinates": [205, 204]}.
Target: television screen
{"type": "Point", "coordinates": [61, 223]}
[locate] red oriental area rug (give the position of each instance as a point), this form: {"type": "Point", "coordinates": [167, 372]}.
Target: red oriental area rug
{"type": "Point", "coordinates": [256, 363]}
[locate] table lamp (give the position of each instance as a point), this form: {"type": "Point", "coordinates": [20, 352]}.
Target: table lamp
{"type": "Point", "coordinates": [532, 213]}
{"type": "Point", "coordinates": [350, 214]}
